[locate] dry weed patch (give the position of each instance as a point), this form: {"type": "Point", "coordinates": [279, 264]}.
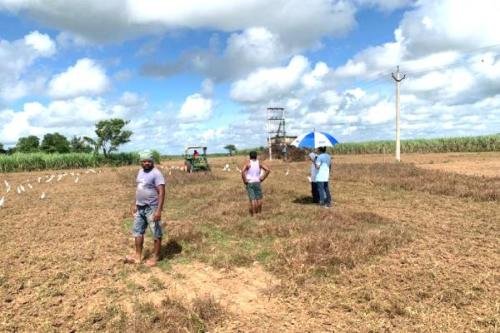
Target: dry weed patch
{"type": "Point", "coordinates": [341, 240]}
{"type": "Point", "coordinates": [409, 177]}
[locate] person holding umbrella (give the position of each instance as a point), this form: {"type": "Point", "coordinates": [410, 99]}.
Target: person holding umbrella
{"type": "Point", "coordinates": [319, 140]}
{"type": "Point", "coordinates": [323, 164]}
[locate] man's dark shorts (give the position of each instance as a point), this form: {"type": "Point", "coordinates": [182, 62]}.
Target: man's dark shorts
{"type": "Point", "coordinates": [254, 191]}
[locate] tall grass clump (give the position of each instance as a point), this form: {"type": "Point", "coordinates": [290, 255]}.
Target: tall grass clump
{"type": "Point", "coordinates": [43, 161]}
{"type": "Point", "coordinates": [442, 145]}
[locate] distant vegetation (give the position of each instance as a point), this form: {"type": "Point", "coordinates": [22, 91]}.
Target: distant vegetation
{"type": "Point", "coordinates": [443, 145]}
{"type": "Point", "coordinates": [42, 161]}
{"type": "Point", "coordinates": [55, 151]}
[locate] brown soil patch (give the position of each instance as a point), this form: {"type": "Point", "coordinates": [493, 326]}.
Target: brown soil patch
{"type": "Point", "coordinates": [246, 293]}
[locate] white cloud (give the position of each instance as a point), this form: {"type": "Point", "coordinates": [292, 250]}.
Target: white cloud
{"type": "Point", "coordinates": [16, 58]}
{"type": "Point", "coordinates": [265, 84]}
{"type": "Point", "coordinates": [69, 117]}
{"type": "Point", "coordinates": [445, 25]}
{"type": "Point", "coordinates": [296, 21]}
{"type": "Point", "coordinates": [42, 43]}
{"type": "Point", "coordinates": [379, 113]}
{"type": "Point", "coordinates": [196, 108]}
{"type": "Point", "coordinates": [84, 78]}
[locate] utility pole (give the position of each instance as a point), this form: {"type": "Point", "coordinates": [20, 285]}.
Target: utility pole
{"type": "Point", "coordinates": [398, 78]}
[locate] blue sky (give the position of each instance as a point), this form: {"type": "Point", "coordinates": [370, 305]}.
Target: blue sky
{"type": "Point", "coordinates": [204, 72]}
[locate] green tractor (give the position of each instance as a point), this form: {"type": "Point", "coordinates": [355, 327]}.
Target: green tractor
{"type": "Point", "coordinates": [194, 160]}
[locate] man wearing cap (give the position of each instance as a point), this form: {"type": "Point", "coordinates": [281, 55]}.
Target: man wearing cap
{"type": "Point", "coordinates": [147, 208]}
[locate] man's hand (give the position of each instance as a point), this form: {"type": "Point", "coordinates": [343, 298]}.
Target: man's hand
{"type": "Point", "coordinates": [133, 210]}
{"type": "Point", "coordinates": [157, 216]}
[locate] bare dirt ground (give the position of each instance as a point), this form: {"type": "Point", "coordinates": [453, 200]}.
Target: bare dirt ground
{"type": "Point", "coordinates": [420, 257]}
{"type": "Point", "coordinates": [474, 164]}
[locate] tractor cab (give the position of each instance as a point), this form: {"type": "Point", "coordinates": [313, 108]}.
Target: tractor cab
{"type": "Point", "coordinates": [195, 159]}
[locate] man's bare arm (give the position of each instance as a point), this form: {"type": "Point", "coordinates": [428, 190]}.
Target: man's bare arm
{"type": "Point", "coordinates": [161, 199]}
{"type": "Point", "coordinates": [267, 171]}
{"type": "Point", "coordinates": [244, 170]}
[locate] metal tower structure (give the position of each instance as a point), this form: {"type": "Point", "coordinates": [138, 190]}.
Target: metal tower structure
{"type": "Point", "coordinates": [276, 131]}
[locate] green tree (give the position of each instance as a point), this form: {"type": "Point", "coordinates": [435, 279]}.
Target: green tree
{"type": "Point", "coordinates": [2, 150]}
{"type": "Point", "coordinates": [110, 134]}
{"type": "Point", "coordinates": [28, 144]}
{"type": "Point", "coordinates": [230, 148]}
{"type": "Point", "coordinates": [79, 145]}
{"type": "Point", "coordinates": [55, 143]}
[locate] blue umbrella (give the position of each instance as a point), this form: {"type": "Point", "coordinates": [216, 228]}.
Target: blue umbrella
{"type": "Point", "coordinates": [314, 140]}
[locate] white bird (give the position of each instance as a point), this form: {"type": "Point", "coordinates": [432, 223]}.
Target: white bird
{"type": "Point", "coordinates": [29, 185]}
{"type": "Point", "coordinates": [309, 178]}
{"type": "Point", "coordinates": [169, 172]}
{"type": "Point", "coordinates": [2, 200]}
{"type": "Point", "coordinates": [77, 179]}
{"type": "Point", "coordinates": [18, 189]}
{"type": "Point", "coordinates": [92, 170]}
{"type": "Point", "coordinates": [50, 179]}
{"type": "Point", "coordinates": [39, 179]}
{"type": "Point", "coordinates": [59, 177]}
{"type": "Point", "coordinates": [287, 172]}
{"type": "Point", "coordinates": [22, 188]}
{"type": "Point", "coordinates": [42, 196]}
{"type": "Point", "coordinates": [7, 185]}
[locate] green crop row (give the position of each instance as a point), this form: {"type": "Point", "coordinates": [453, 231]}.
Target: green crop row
{"type": "Point", "coordinates": [443, 145]}
{"type": "Point", "coordinates": [43, 161]}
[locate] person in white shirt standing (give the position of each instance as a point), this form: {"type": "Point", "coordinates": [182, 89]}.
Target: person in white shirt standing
{"type": "Point", "coordinates": [323, 164]}
{"type": "Point", "coordinates": [314, 184]}
{"type": "Point", "coordinates": [252, 178]}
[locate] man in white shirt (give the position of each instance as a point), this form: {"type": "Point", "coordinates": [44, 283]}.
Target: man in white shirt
{"type": "Point", "coordinates": [323, 164]}
{"type": "Point", "coordinates": [314, 184]}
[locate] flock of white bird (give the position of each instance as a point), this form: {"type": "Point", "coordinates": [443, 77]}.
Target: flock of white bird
{"type": "Point", "coordinates": [26, 185]}
{"type": "Point", "coordinates": [31, 184]}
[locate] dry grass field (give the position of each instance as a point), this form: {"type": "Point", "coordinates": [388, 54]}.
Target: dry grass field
{"type": "Point", "coordinates": [409, 247]}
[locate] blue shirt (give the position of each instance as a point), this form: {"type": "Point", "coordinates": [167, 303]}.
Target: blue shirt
{"type": "Point", "coordinates": [323, 162]}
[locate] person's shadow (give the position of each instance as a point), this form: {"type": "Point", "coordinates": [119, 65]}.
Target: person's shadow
{"type": "Point", "coordinates": [170, 249]}
{"type": "Point", "coordinates": [304, 200]}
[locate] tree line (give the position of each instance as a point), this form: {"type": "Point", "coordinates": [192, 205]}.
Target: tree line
{"type": "Point", "coordinates": [109, 135]}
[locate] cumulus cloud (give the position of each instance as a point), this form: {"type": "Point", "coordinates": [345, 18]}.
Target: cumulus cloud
{"type": "Point", "coordinates": [435, 26]}
{"type": "Point", "coordinates": [42, 43]}
{"type": "Point", "coordinates": [16, 58]}
{"type": "Point", "coordinates": [244, 51]}
{"type": "Point", "coordinates": [268, 83]}
{"type": "Point", "coordinates": [84, 78]}
{"type": "Point", "coordinates": [297, 21]}
{"type": "Point", "coordinates": [195, 108]}
{"type": "Point", "coordinates": [70, 117]}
